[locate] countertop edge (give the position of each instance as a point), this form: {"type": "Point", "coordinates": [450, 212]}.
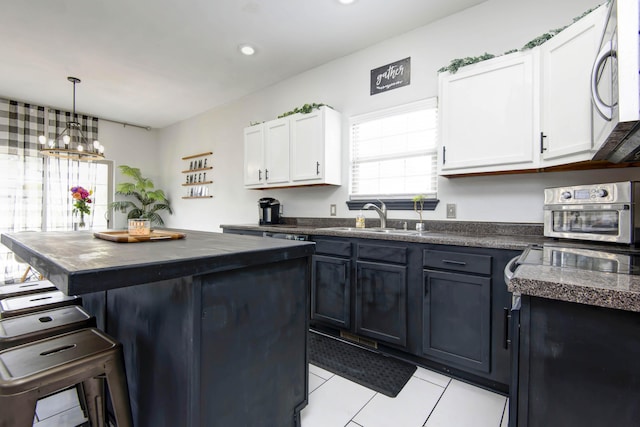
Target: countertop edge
{"type": "Point", "coordinates": [88, 280]}
{"type": "Point", "coordinates": [608, 290]}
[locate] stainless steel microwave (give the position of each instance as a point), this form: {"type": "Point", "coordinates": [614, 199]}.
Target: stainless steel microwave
{"type": "Point", "coordinates": [597, 212]}
{"type": "Point", "coordinates": [615, 85]}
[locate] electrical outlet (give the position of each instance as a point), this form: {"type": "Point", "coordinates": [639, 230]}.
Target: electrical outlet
{"type": "Point", "coordinates": [451, 210]}
{"type": "Point", "coordinates": [332, 210]}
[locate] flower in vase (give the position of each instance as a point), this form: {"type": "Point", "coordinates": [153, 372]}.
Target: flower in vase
{"type": "Point", "coordinates": [81, 201]}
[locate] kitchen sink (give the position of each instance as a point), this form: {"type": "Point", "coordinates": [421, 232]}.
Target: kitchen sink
{"type": "Point", "coordinates": [373, 230]}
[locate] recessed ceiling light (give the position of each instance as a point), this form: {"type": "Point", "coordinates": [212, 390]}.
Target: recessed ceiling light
{"type": "Point", "coordinates": [346, 1]}
{"type": "Point", "coordinates": [245, 49]}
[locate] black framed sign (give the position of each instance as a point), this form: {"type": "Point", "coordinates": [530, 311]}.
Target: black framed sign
{"type": "Point", "coordinates": [391, 76]}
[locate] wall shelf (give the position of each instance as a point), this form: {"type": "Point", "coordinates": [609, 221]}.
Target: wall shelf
{"type": "Point", "coordinates": [196, 178]}
{"type": "Point", "coordinates": [199, 169]}
{"type": "Point", "coordinates": [208, 153]}
{"type": "Point", "coordinates": [198, 183]}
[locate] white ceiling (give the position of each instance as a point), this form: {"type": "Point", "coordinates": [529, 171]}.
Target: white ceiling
{"type": "Point", "coordinates": [156, 62]}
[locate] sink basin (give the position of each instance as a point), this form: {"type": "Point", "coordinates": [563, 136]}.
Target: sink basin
{"type": "Point", "coordinates": [373, 230]}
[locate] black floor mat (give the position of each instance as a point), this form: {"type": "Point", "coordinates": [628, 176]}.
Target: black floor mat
{"type": "Point", "coordinates": [375, 371]}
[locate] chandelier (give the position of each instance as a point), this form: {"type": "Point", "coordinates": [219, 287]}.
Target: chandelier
{"type": "Point", "coordinates": [72, 143]}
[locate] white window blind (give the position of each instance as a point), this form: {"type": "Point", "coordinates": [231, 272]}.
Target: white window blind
{"type": "Point", "coordinates": [394, 151]}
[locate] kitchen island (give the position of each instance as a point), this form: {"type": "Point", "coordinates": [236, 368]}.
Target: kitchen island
{"type": "Point", "coordinates": [575, 347]}
{"type": "Point", "coordinates": [213, 326]}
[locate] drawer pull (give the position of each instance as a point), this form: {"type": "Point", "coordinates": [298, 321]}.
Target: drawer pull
{"type": "Point", "coordinates": [449, 261]}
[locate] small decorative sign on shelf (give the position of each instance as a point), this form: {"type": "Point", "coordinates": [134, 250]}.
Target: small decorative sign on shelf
{"type": "Point", "coordinates": [196, 178]}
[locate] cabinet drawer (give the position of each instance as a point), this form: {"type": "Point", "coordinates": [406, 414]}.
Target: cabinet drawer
{"type": "Point", "coordinates": [393, 254]}
{"type": "Point", "coordinates": [470, 263]}
{"type": "Point", "coordinates": [332, 247]}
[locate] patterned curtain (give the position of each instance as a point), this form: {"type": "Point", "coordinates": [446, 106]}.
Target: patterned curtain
{"type": "Point", "coordinates": [35, 193]}
{"type": "Point", "coordinates": [21, 186]}
{"type": "Point", "coordinates": [62, 174]}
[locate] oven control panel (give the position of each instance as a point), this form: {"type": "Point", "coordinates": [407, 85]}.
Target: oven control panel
{"type": "Point", "coordinates": [596, 193]}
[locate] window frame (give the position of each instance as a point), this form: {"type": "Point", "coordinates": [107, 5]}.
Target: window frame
{"type": "Point", "coordinates": [392, 201]}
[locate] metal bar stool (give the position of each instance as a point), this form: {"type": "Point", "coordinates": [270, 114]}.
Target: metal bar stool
{"type": "Point", "coordinates": [32, 371]}
{"type": "Point", "coordinates": [20, 330]}
{"type": "Point", "coordinates": [17, 306]}
{"type": "Point", "coordinates": [43, 324]}
{"type": "Point", "coordinates": [26, 288]}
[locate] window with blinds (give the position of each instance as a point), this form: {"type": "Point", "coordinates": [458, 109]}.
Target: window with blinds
{"type": "Point", "coordinates": [394, 152]}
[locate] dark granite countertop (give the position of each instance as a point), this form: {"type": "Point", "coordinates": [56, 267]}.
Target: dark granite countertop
{"type": "Point", "coordinates": [78, 263]}
{"type": "Point", "coordinates": [483, 236]}
{"type": "Point", "coordinates": [610, 290]}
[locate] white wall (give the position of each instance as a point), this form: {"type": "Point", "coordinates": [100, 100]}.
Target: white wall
{"type": "Point", "coordinates": [494, 26]}
{"type": "Point", "coordinates": [135, 147]}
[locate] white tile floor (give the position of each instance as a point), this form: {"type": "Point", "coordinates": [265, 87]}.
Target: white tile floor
{"type": "Point", "coordinates": [60, 410]}
{"type": "Point", "coordinates": [429, 399]}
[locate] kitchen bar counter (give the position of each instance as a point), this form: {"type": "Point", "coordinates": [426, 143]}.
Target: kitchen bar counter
{"type": "Point", "coordinates": [213, 326]}
{"type": "Point", "coordinates": [77, 263]}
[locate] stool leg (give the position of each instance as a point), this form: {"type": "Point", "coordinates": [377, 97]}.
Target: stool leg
{"type": "Point", "coordinates": [94, 398]}
{"type": "Point", "coordinates": [18, 410]}
{"type": "Point", "coordinates": [117, 384]}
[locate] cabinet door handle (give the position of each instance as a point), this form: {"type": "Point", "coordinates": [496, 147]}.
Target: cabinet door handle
{"type": "Point", "coordinates": [505, 328]}
{"type": "Point", "coordinates": [444, 154]}
{"type": "Point", "coordinates": [317, 168]}
{"type": "Point", "coordinates": [259, 174]}
{"type": "Point", "coordinates": [266, 174]}
{"type": "Point", "coordinates": [542, 137]}
{"type": "Point", "coordinates": [450, 261]}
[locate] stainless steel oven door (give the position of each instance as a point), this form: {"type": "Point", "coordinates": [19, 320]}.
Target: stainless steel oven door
{"type": "Point", "coordinates": [597, 222]}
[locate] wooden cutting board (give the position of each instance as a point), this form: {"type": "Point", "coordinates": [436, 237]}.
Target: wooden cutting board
{"type": "Point", "coordinates": [124, 237]}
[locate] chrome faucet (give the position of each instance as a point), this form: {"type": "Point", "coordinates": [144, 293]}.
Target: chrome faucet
{"type": "Point", "coordinates": [382, 212]}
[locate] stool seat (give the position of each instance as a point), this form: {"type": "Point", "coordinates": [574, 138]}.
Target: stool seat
{"type": "Point", "coordinates": [17, 306]}
{"type": "Point", "coordinates": [27, 288]}
{"type": "Point", "coordinates": [31, 371]}
{"type": "Point", "coordinates": [32, 327]}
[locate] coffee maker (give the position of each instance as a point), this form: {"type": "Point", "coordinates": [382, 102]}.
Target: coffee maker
{"type": "Point", "coordinates": [269, 209]}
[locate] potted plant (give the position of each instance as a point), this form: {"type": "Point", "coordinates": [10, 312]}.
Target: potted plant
{"type": "Point", "coordinates": [151, 200]}
{"type": "Point", "coordinates": [418, 206]}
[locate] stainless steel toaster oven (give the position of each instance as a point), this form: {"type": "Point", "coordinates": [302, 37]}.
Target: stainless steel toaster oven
{"type": "Point", "coordinates": [597, 212]}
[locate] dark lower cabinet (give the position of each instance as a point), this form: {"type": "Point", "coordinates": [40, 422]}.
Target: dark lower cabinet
{"type": "Point", "coordinates": [381, 302]}
{"type": "Point", "coordinates": [456, 319]}
{"type": "Point", "coordinates": [446, 306]}
{"type": "Point", "coordinates": [331, 291]}
{"type": "Point", "coordinates": [577, 366]}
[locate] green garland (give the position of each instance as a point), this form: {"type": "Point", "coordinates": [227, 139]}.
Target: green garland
{"type": "Point", "coordinates": [305, 109]}
{"type": "Point", "coordinates": [458, 63]}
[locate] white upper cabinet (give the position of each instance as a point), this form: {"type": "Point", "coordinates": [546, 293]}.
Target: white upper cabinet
{"type": "Point", "coordinates": [315, 147]}
{"type": "Point", "coordinates": [488, 116]}
{"type": "Point", "coordinates": [254, 155]}
{"type": "Point", "coordinates": [565, 120]}
{"type": "Point", "coordinates": [525, 110]}
{"type": "Point", "coordinates": [297, 150]}
{"type": "Point", "coordinates": [276, 151]}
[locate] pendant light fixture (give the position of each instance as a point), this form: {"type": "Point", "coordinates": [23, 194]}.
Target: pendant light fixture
{"type": "Point", "coordinates": [71, 143]}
